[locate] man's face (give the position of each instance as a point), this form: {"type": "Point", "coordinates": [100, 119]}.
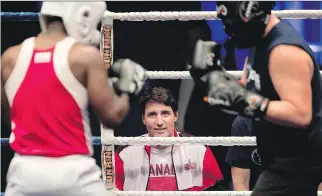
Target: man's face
{"type": "Point", "coordinates": [159, 120]}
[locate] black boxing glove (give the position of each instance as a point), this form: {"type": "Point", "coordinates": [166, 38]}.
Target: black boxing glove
{"type": "Point", "coordinates": [226, 94]}
{"type": "Point", "coordinates": [206, 58]}
{"type": "Point", "coordinates": [126, 76]}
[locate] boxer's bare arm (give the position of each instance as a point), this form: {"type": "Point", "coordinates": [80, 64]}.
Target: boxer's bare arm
{"type": "Point", "coordinates": [110, 108]}
{"type": "Point", "coordinates": [240, 178]}
{"type": "Point", "coordinates": [8, 60]}
{"type": "Point", "coordinates": [5, 109]}
{"type": "Point", "coordinates": [291, 71]}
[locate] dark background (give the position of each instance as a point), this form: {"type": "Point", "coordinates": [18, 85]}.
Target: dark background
{"type": "Point", "coordinates": [155, 45]}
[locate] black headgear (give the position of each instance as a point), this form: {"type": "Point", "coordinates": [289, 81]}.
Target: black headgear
{"type": "Point", "coordinates": [245, 21]}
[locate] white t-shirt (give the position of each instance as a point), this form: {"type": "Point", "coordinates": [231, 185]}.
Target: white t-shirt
{"type": "Point", "coordinates": [162, 172]}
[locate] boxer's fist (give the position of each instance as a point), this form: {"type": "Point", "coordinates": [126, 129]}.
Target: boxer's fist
{"type": "Point", "coordinates": [225, 93]}
{"type": "Point", "coordinates": [206, 57]}
{"type": "Point", "coordinates": [127, 76]}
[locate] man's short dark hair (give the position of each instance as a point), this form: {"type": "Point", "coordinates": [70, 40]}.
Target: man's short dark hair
{"type": "Point", "coordinates": [157, 95]}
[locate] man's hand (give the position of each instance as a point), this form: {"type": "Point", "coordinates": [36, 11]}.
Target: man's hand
{"type": "Point", "coordinates": [225, 93]}
{"type": "Point", "coordinates": [206, 58]}
{"type": "Point", "coordinates": [127, 76]}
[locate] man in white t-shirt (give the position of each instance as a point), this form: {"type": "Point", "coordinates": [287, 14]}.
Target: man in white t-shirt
{"type": "Point", "coordinates": [164, 168]}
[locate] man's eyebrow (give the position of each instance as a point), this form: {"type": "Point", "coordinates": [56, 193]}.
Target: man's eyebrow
{"type": "Point", "coordinates": [152, 112]}
{"type": "Point", "coordinates": [166, 111]}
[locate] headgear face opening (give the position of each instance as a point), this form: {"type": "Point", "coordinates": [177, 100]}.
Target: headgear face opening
{"type": "Point", "coordinates": [80, 19]}
{"type": "Point", "coordinates": [244, 21]}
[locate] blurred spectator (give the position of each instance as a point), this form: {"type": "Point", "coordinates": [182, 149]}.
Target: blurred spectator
{"type": "Point", "coordinates": [164, 168]}
{"type": "Point", "coordinates": [192, 108]}
{"type": "Point", "coordinates": [244, 160]}
{"type": "Point", "coordinates": [230, 59]}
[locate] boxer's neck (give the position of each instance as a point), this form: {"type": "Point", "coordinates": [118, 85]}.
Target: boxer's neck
{"type": "Point", "coordinates": [56, 28]}
{"type": "Point", "coordinates": [273, 20]}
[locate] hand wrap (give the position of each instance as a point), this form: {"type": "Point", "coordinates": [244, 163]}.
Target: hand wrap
{"type": "Point", "coordinates": [225, 93]}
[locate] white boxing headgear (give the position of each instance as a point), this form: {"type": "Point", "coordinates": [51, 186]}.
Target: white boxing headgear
{"type": "Point", "coordinates": [80, 18]}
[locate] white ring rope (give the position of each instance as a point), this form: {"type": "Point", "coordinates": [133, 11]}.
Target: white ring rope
{"type": "Point", "coordinates": [210, 141]}
{"type": "Point", "coordinates": [170, 75]}
{"type": "Point", "coordinates": [174, 75]}
{"type": "Point", "coordinates": [202, 15]}
{"type": "Point", "coordinates": [187, 193]}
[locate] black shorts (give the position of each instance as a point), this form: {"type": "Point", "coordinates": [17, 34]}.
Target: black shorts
{"type": "Point", "coordinates": [279, 182]}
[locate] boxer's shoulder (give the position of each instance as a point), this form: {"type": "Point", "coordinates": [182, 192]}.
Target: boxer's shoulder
{"type": "Point", "coordinates": [85, 57]}
{"type": "Point", "coordinates": [289, 52]}
{"type": "Point", "coordinates": [82, 53]}
{"type": "Point", "coordinates": [11, 53]}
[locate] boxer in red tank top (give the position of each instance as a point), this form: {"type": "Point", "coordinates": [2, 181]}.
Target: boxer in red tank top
{"type": "Point", "coordinates": [48, 82]}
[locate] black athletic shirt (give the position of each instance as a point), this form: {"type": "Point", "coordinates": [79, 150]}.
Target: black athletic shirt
{"type": "Point", "coordinates": [245, 157]}
{"type": "Point", "coordinates": [276, 142]}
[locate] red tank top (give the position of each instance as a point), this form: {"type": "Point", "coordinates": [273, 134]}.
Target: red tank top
{"type": "Point", "coordinates": [48, 104]}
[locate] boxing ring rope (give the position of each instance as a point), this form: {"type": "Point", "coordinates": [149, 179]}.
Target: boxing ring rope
{"type": "Point", "coordinates": [202, 15]}
{"type": "Point", "coordinates": [164, 16]}
{"type": "Point", "coordinates": [176, 75]}
{"type": "Point", "coordinates": [107, 138]}
{"type": "Point", "coordinates": [210, 141]}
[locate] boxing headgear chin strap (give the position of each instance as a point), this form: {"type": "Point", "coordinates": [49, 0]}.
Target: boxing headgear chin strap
{"type": "Point", "coordinates": [80, 19]}
{"type": "Point", "coordinates": [244, 21]}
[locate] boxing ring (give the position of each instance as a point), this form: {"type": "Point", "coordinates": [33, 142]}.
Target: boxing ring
{"type": "Point", "coordinates": [107, 139]}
